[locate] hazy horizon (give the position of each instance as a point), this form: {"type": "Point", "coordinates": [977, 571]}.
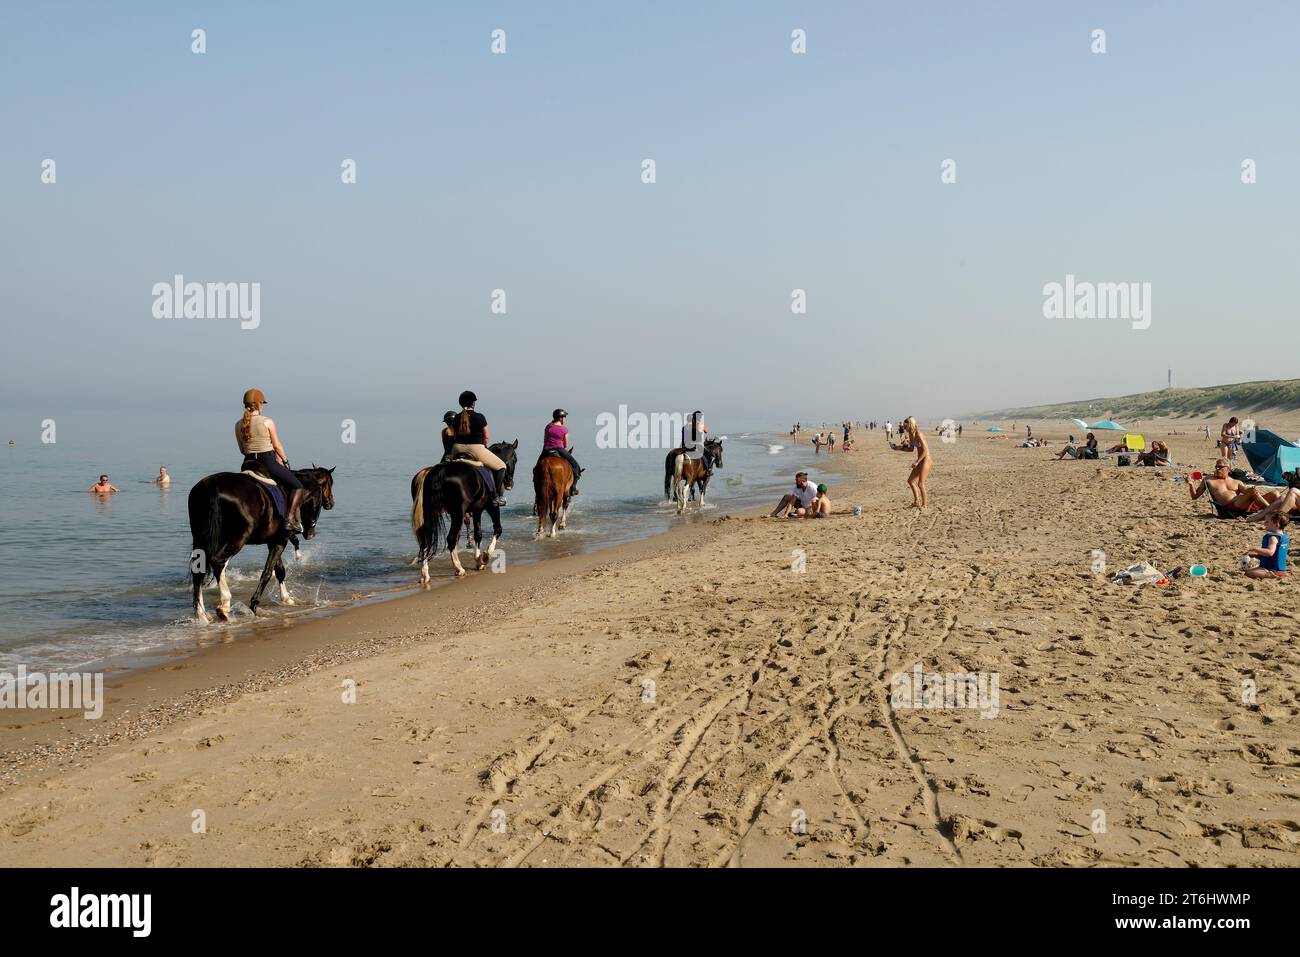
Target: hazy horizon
{"type": "Point", "coordinates": [522, 171]}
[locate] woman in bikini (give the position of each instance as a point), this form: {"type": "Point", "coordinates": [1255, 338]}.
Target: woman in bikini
{"type": "Point", "coordinates": [921, 467]}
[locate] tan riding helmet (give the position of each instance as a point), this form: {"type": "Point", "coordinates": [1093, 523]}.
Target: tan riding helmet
{"type": "Point", "coordinates": [254, 397]}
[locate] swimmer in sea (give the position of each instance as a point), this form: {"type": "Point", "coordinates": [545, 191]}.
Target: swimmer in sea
{"type": "Point", "coordinates": [103, 486]}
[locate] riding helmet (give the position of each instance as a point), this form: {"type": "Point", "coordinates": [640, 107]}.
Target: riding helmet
{"type": "Point", "coordinates": [253, 396]}
{"type": "Point", "coordinates": [467, 398]}
{"type": "Point", "coordinates": [559, 414]}
{"type": "Point", "coordinates": [449, 418]}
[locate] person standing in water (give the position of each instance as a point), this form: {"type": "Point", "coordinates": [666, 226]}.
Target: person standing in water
{"type": "Point", "coordinates": [163, 480]}
{"type": "Point", "coordinates": [103, 486]}
{"type": "Point", "coordinates": [471, 440]}
{"type": "Point", "coordinates": [257, 439]}
{"type": "Point", "coordinates": [921, 468]}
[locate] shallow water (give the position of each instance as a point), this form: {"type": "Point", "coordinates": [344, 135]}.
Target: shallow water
{"type": "Point", "coordinates": [89, 578]}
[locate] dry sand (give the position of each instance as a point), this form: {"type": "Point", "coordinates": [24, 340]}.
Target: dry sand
{"type": "Point", "coordinates": [509, 719]}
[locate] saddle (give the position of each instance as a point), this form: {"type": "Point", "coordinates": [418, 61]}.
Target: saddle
{"type": "Point", "coordinates": [484, 472]}
{"type": "Point", "coordinates": [256, 470]}
{"type": "Point", "coordinates": [550, 454]}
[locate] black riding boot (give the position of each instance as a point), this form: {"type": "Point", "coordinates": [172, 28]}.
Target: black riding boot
{"type": "Point", "coordinates": [577, 474]}
{"type": "Point", "coordinates": [499, 480]}
{"type": "Point", "coordinates": [292, 521]}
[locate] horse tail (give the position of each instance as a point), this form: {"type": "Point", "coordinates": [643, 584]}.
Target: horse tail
{"type": "Point", "coordinates": [435, 495]}
{"type": "Point", "coordinates": [417, 500]}
{"type": "Point", "coordinates": [417, 512]}
{"type": "Point", "coordinates": [205, 523]}
{"type": "Point", "coordinates": [669, 465]}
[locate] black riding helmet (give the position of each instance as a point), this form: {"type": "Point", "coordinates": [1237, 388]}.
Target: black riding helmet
{"type": "Point", "coordinates": [449, 418]}
{"type": "Point", "coordinates": [467, 398]}
{"type": "Point", "coordinates": [559, 414]}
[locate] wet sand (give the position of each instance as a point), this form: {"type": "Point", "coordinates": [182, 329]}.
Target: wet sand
{"type": "Point", "coordinates": [694, 699]}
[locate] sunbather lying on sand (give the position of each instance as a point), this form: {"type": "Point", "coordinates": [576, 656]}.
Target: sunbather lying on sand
{"type": "Point", "coordinates": [1232, 494]}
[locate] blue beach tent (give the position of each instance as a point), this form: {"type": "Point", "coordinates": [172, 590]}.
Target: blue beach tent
{"type": "Point", "coordinates": [1270, 455]}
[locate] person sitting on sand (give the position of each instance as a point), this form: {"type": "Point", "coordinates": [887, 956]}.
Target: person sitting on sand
{"type": "Point", "coordinates": [103, 487]}
{"type": "Point", "coordinates": [1232, 494]}
{"type": "Point", "coordinates": [1076, 452]}
{"type": "Point", "coordinates": [799, 501]}
{"type": "Point", "coordinates": [1272, 551]}
{"type": "Point", "coordinates": [1158, 455]}
{"type": "Point", "coordinates": [821, 506]}
{"type": "Point", "coordinates": [1279, 503]}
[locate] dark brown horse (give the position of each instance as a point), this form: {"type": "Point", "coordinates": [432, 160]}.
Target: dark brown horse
{"type": "Point", "coordinates": [229, 510]}
{"type": "Point", "coordinates": [682, 474]}
{"type": "Point", "coordinates": [457, 490]}
{"type": "Point", "coordinates": [552, 479]}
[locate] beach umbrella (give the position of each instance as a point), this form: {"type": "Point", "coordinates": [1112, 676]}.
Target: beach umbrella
{"type": "Point", "coordinates": [1080, 423]}
{"type": "Point", "coordinates": [1108, 425]}
{"type": "Point", "coordinates": [992, 428]}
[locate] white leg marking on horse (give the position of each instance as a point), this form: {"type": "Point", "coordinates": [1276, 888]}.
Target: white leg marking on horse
{"type": "Point", "coordinates": [285, 597]}
{"type": "Point", "coordinates": [424, 572]}
{"type": "Point", "coordinates": [199, 611]}
{"type": "Point", "coordinates": [224, 586]}
{"type": "Point", "coordinates": [492, 547]}
{"type": "Point", "coordinates": [455, 560]}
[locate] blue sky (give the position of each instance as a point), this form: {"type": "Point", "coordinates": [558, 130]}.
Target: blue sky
{"type": "Point", "coordinates": [522, 172]}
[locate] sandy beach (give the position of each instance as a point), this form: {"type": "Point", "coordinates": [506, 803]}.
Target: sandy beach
{"type": "Point", "coordinates": [698, 700]}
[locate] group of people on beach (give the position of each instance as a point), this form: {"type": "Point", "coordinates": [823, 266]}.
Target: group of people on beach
{"type": "Point", "coordinates": [808, 501]}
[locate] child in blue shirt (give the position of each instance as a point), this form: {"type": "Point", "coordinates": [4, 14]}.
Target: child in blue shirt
{"type": "Point", "coordinates": [1272, 551]}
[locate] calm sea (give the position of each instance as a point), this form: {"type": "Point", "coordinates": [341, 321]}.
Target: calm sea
{"type": "Point", "coordinates": [91, 580]}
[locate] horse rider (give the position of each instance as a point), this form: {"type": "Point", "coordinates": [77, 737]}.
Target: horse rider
{"type": "Point", "coordinates": [693, 433]}
{"type": "Point", "coordinates": [255, 433]}
{"type": "Point", "coordinates": [448, 435]}
{"type": "Point", "coordinates": [556, 437]}
{"type": "Point", "coordinates": [470, 439]}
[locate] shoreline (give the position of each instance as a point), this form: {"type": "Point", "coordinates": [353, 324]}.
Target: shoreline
{"type": "Point", "coordinates": [181, 682]}
{"type": "Point", "coordinates": [674, 701]}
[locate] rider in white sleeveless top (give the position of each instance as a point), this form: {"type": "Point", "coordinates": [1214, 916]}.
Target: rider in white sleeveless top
{"type": "Point", "coordinates": [693, 433]}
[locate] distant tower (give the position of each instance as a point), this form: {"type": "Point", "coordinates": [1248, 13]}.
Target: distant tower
{"type": "Point", "coordinates": [1169, 380]}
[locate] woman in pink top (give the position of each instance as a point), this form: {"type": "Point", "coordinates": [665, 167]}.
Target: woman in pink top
{"type": "Point", "coordinates": [556, 437]}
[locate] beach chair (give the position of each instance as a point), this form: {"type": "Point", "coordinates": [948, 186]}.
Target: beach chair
{"type": "Point", "coordinates": [1220, 511]}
